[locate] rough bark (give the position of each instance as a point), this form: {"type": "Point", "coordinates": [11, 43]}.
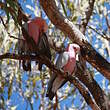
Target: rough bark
{"type": "Point", "coordinates": [87, 51]}
{"type": "Point", "coordinates": [90, 55]}
{"type": "Point", "coordinates": [100, 98]}
{"type": "Point", "coordinates": [97, 93]}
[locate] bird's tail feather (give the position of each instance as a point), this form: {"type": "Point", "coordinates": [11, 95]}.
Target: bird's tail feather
{"type": "Point", "coordinates": [50, 94]}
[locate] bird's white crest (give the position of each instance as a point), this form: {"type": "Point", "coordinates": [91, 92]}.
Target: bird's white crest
{"type": "Point", "coordinates": [77, 49]}
{"type": "Point", "coordinates": [66, 62]}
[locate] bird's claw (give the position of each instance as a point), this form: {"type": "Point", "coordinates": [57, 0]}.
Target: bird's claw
{"type": "Point", "coordinates": [67, 74]}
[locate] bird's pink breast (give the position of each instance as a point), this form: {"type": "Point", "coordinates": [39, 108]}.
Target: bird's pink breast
{"type": "Point", "coordinates": [36, 27]}
{"type": "Point", "coordinates": [69, 67]}
{"type": "Point", "coordinates": [33, 31]}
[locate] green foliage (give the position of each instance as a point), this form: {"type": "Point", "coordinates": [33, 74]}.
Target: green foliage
{"type": "Point", "coordinates": [62, 3]}
{"type": "Point", "coordinates": [11, 9]}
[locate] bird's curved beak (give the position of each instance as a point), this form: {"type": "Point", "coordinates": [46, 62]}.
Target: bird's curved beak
{"type": "Point", "coordinates": [77, 51]}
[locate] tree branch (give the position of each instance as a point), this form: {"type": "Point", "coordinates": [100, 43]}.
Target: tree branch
{"type": "Point", "coordinates": [88, 15]}
{"type": "Point", "coordinates": [84, 92]}
{"type": "Point", "coordinates": [89, 53]}
{"type": "Point", "coordinates": [74, 33]}
{"type": "Point", "coordinates": [97, 93]}
{"type": "Point", "coordinates": [84, 76]}
{"type": "Point", "coordinates": [100, 33]}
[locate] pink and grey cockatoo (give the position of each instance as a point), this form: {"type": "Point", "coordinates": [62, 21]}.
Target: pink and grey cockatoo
{"type": "Point", "coordinates": [36, 29]}
{"type": "Point", "coordinates": [66, 62]}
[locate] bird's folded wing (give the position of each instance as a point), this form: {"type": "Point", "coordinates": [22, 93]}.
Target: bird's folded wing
{"type": "Point", "coordinates": [62, 60]}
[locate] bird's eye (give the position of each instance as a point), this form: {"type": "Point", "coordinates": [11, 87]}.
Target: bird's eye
{"type": "Point", "coordinates": [74, 48]}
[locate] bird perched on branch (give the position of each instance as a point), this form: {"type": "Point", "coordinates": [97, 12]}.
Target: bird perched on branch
{"type": "Point", "coordinates": [66, 62]}
{"type": "Point", "coordinates": [34, 33]}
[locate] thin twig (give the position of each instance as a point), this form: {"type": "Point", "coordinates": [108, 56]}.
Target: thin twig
{"type": "Point", "coordinates": [107, 21]}
{"type": "Point", "coordinates": [102, 34]}
{"type": "Point", "coordinates": [88, 14]}
{"type": "Point", "coordinates": [8, 32]}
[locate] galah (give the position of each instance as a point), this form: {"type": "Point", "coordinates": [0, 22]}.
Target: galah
{"type": "Point", "coordinates": [66, 62]}
{"type": "Point", "coordinates": [36, 29]}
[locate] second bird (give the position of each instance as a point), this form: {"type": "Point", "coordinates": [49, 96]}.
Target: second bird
{"type": "Point", "coordinates": [66, 62]}
{"type": "Point", "coordinates": [36, 29]}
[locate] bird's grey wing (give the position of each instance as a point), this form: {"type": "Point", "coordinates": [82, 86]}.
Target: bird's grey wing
{"type": "Point", "coordinates": [55, 81]}
{"type": "Point", "coordinates": [62, 60]}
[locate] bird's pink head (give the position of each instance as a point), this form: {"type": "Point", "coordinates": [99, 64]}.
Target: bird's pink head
{"type": "Point", "coordinates": [74, 46]}
{"type": "Point", "coordinates": [41, 23]}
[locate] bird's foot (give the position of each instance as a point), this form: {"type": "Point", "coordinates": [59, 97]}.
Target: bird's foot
{"type": "Point", "coordinates": [67, 75]}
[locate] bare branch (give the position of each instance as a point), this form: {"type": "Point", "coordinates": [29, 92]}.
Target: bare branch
{"type": "Point", "coordinates": [84, 75]}
{"type": "Point", "coordinates": [98, 94]}
{"type": "Point", "coordinates": [88, 15]}
{"type": "Point", "coordinates": [89, 53]}
{"type": "Point", "coordinates": [69, 29]}
{"type": "Point", "coordinates": [84, 92]}
{"type": "Point", "coordinates": [107, 21]}
{"type": "Point", "coordinates": [103, 35]}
